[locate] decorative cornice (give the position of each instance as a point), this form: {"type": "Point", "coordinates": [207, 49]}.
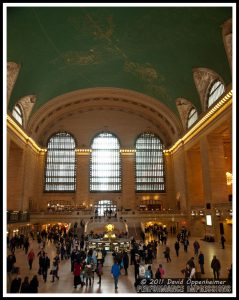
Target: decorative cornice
{"type": "Point", "coordinates": [12, 125]}
{"type": "Point", "coordinates": [216, 110]}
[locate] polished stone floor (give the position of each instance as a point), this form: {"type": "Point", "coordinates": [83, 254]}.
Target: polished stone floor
{"type": "Point", "coordinates": [126, 283]}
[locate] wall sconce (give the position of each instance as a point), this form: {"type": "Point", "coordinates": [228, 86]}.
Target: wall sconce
{"type": "Point", "coordinates": [229, 178]}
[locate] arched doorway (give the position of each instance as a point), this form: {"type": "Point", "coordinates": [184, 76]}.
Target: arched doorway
{"type": "Point", "coordinates": [103, 207]}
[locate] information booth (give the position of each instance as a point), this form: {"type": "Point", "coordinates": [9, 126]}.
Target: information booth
{"type": "Point", "coordinates": [117, 245]}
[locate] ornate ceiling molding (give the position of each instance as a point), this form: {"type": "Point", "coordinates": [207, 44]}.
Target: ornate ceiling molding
{"type": "Point", "coordinates": [12, 74]}
{"type": "Point", "coordinates": [203, 78]}
{"type": "Point", "coordinates": [184, 106]}
{"type": "Point", "coordinates": [227, 39]}
{"type": "Point", "coordinates": [27, 103]}
{"type": "Point", "coordinates": [81, 101]}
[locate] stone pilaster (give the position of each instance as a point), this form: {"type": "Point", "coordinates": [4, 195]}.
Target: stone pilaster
{"type": "Point", "coordinates": [213, 169]}
{"type": "Point", "coordinates": [83, 179]}
{"type": "Point", "coordinates": [128, 181]}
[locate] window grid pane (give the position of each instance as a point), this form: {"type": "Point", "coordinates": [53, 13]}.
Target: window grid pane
{"type": "Point", "coordinates": [17, 114]}
{"type": "Point", "coordinates": [149, 164]}
{"type": "Point", "coordinates": [60, 172]}
{"type": "Point", "coordinates": [216, 91]}
{"type": "Point", "coordinates": [192, 117]}
{"type": "Point", "coordinates": [105, 167]}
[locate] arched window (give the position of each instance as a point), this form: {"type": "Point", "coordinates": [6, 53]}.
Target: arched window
{"type": "Point", "coordinates": [17, 114]}
{"type": "Point", "coordinates": [149, 164]}
{"type": "Point", "coordinates": [215, 92]}
{"type": "Point", "coordinates": [192, 117]}
{"type": "Point", "coordinates": [105, 167]}
{"type": "Point", "coordinates": [60, 171]}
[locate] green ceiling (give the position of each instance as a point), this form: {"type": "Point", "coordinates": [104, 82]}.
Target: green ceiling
{"type": "Point", "coordinates": [149, 50]}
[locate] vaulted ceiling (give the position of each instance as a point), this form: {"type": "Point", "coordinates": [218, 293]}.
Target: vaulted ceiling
{"type": "Point", "coordinates": [151, 50]}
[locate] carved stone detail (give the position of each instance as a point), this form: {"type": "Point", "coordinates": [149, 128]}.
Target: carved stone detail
{"type": "Point", "coordinates": [203, 78]}
{"type": "Point", "coordinates": [184, 106]}
{"type": "Point", "coordinates": [27, 103]}
{"type": "Point", "coordinates": [227, 39]}
{"type": "Point", "coordinates": [12, 73]}
{"type": "Point", "coordinates": [228, 47]}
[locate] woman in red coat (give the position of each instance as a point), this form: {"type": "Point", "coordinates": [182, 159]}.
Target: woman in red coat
{"type": "Point", "coordinates": [77, 272]}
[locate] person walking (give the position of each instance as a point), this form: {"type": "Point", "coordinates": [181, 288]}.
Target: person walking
{"type": "Point", "coordinates": [201, 262]}
{"type": "Point", "coordinates": [216, 266]}
{"type": "Point", "coordinates": [45, 265]}
{"type": "Point", "coordinates": [34, 284]}
{"type": "Point", "coordinates": [115, 271]}
{"type": "Point", "coordinates": [196, 247]}
{"type": "Point", "coordinates": [136, 269]}
{"type": "Point", "coordinates": [125, 262]}
{"type": "Point", "coordinates": [30, 258]}
{"type": "Point", "coordinates": [16, 282]}
{"type": "Point", "coordinates": [99, 270]}
{"type": "Point", "coordinates": [177, 246]}
{"type": "Point", "coordinates": [167, 254]}
{"type": "Point", "coordinates": [54, 271]}
{"type": "Point", "coordinates": [186, 271]}
{"type": "Point", "coordinates": [25, 287]}
{"type": "Point", "coordinates": [223, 240]}
{"type": "Point", "coordinates": [185, 244]}
{"type": "Point", "coordinates": [77, 272]}
{"type": "Point", "coordinates": [191, 262]}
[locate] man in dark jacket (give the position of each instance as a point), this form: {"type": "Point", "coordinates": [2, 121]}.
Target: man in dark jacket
{"type": "Point", "coordinates": [16, 282]}
{"type": "Point", "coordinates": [176, 246]}
{"type": "Point", "coordinates": [45, 265]}
{"type": "Point", "coordinates": [125, 262]}
{"type": "Point", "coordinates": [191, 263]}
{"type": "Point", "coordinates": [201, 262]}
{"type": "Point", "coordinates": [216, 266]}
{"type": "Point", "coordinates": [223, 240]}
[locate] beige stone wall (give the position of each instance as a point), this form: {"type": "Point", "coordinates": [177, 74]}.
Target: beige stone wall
{"type": "Point", "coordinates": [180, 178]}
{"type": "Point", "coordinates": [194, 178]}
{"type": "Point", "coordinates": [22, 171]}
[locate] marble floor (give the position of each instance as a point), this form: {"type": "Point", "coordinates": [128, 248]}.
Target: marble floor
{"type": "Point", "coordinates": [126, 283]}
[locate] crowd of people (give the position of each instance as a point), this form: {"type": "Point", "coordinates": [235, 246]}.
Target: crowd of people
{"type": "Point", "coordinates": [86, 264]}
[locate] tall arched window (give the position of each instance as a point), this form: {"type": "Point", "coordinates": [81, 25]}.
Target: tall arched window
{"type": "Point", "coordinates": [215, 92]}
{"type": "Point", "coordinates": [192, 117]}
{"type": "Point", "coordinates": [149, 164]}
{"type": "Point", "coordinates": [105, 168]}
{"type": "Point", "coordinates": [17, 114]}
{"type": "Point", "coordinates": [60, 171]}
